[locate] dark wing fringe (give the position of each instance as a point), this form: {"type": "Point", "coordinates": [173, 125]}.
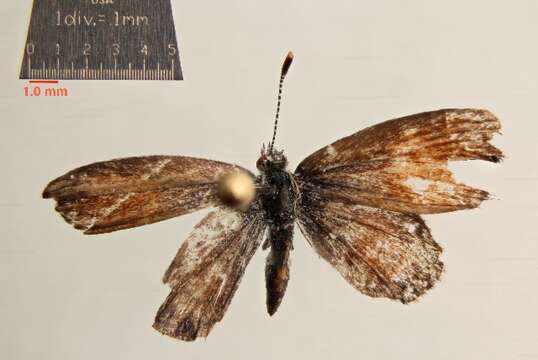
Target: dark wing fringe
{"type": "Point", "coordinates": [125, 193]}
{"type": "Point", "coordinates": [379, 252]}
{"type": "Point", "coordinates": [401, 164]}
{"type": "Point", "coordinates": [207, 270]}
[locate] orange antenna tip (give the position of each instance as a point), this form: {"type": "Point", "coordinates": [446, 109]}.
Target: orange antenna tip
{"type": "Point", "coordinates": [287, 63]}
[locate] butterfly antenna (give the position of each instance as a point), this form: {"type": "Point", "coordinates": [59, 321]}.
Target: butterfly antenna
{"type": "Point", "coordinates": [285, 67]}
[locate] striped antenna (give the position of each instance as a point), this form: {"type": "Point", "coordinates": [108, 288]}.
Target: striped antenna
{"type": "Point", "coordinates": [285, 67]}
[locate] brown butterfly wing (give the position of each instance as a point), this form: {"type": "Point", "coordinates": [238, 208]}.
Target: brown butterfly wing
{"type": "Point", "coordinates": [381, 253]}
{"type": "Point", "coordinates": [207, 270]}
{"type": "Point", "coordinates": [401, 164]}
{"type": "Point", "coordinates": [125, 193]}
{"type": "Point", "coordinates": [360, 197]}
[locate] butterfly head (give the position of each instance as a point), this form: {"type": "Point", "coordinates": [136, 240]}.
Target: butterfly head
{"type": "Point", "coordinates": [271, 159]}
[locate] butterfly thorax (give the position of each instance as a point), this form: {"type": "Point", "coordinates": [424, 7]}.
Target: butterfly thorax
{"type": "Point", "coordinates": [278, 197]}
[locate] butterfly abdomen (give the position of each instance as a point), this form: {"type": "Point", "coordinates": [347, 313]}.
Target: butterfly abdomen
{"type": "Point", "coordinates": [277, 272]}
{"type": "Point", "coordinates": [278, 198]}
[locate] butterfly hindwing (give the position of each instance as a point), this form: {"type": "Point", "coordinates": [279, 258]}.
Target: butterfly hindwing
{"type": "Point", "coordinates": [401, 164]}
{"type": "Point", "coordinates": [129, 192]}
{"type": "Point", "coordinates": [207, 270]}
{"type": "Point", "coordinates": [381, 253]}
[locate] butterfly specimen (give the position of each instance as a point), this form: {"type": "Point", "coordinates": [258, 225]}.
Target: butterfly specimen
{"type": "Point", "coordinates": [357, 202]}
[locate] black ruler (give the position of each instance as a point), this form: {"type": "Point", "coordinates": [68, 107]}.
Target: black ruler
{"type": "Point", "coordinates": [101, 40]}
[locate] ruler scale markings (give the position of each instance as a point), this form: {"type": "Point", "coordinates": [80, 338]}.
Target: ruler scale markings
{"type": "Point", "coordinates": [76, 32]}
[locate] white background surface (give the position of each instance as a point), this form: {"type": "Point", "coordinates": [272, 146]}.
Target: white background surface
{"type": "Point", "coordinates": [68, 296]}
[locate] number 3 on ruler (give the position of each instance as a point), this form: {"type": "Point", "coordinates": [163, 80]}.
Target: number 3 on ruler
{"type": "Point", "coordinates": [172, 49]}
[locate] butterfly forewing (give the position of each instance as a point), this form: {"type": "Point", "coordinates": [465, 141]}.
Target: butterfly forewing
{"type": "Point", "coordinates": [401, 164]}
{"type": "Point", "coordinates": [207, 270]}
{"type": "Point", "coordinates": [125, 193]}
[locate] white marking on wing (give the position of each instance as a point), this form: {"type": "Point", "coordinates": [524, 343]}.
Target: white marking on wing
{"type": "Point", "coordinates": [418, 185]}
{"type": "Point", "coordinates": [156, 169]}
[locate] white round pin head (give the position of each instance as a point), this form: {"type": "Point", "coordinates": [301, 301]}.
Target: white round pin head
{"type": "Point", "coordinates": [236, 189]}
